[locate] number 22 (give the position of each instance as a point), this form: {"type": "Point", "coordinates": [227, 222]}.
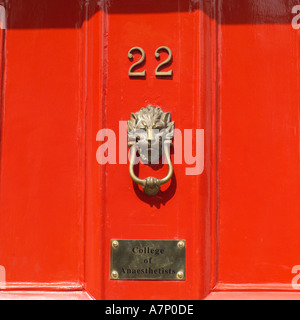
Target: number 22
{"type": "Point", "coordinates": [158, 72]}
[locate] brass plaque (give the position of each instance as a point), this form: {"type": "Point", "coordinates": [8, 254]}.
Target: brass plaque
{"type": "Point", "coordinates": [147, 260]}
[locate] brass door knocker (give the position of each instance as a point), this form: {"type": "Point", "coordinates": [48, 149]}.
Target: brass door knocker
{"type": "Point", "coordinates": [150, 133]}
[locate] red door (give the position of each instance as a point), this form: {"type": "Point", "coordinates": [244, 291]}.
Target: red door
{"type": "Point", "coordinates": [231, 88]}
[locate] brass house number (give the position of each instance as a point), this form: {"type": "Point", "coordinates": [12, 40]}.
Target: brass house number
{"type": "Point", "coordinates": [160, 67]}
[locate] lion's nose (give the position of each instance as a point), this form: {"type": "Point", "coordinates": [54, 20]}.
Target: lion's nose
{"type": "Point", "coordinates": [150, 134]}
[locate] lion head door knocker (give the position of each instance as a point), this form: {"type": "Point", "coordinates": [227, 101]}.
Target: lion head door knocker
{"type": "Point", "coordinates": [150, 133]}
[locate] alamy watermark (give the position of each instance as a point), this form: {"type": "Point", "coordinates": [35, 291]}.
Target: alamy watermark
{"type": "Point", "coordinates": [296, 18]}
{"type": "Point", "coordinates": [296, 279]}
{"type": "Point", "coordinates": [2, 278]}
{"type": "Point", "coordinates": [188, 148]}
{"type": "Point", "coordinates": [2, 17]}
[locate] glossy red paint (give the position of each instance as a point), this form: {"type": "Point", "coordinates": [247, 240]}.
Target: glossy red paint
{"type": "Point", "coordinates": [258, 155]}
{"type": "Point", "coordinates": [64, 76]}
{"type": "Point", "coordinates": [126, 212]}
{"type": "Point", "coordinates": [41, 202]}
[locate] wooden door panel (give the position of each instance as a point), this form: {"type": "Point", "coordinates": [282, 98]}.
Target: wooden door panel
{"type": "Point", "coordinates": [41, 203]}
{"type": "Point", "coordinates": [258, 157]}
{"type": "Point", "coordinates": [127, 213]}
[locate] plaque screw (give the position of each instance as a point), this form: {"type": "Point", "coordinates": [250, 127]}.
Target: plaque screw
{"type": "Point", "coordinates": [180, 275]}
{"type": "Point", "coordinates": [180, 244]}
{"type": "Point", "coordinates": [115, 275]}
{"type": "Point", "coordinates": [115, 244]}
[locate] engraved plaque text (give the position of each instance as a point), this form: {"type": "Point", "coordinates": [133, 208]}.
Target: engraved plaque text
{"type": "Point", "coordinates": [148, 260]}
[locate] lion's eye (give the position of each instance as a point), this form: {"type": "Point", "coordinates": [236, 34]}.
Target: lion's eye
{"type": "Point", "coordinates": [144, 123]}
